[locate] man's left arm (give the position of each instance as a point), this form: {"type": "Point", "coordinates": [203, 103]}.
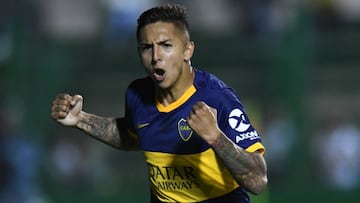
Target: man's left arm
{"type": "Point", "coordinates": [248, 169]}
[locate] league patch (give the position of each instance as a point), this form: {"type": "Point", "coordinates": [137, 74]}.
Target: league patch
{"type": "Point", "coordinates": [238, 121]}
{"type": "Point", "coordinates": [184, 130]}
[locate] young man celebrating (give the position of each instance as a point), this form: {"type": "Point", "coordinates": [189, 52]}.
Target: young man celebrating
{"type": "Point", "coordinates": [197, 139]}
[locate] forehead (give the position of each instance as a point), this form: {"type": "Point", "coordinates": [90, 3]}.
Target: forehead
{"type": "Point", "coordinates": [160, 31]}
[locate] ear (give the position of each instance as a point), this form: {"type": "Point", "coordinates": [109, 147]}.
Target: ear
{"type": "Point", "coordinates": [189, 50]}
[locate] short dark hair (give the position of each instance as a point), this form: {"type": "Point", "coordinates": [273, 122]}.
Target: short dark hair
{"type": "Point", "coordinates": [172, 13]}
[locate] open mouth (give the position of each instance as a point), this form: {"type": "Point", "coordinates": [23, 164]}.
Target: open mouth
{"type": "Point", "coordinates": [159, 74]}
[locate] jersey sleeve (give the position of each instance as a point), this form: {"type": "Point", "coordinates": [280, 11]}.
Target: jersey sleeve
{"type": "Point", "coordinates": [235, 123]}
{"type": "Point", "coordinates": [128, 113]}
{"type": "Point", "coordinates": [138, 93]}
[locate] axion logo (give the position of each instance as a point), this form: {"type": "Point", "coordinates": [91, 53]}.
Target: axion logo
{"type": "Point", "coordinates": [237, 120]}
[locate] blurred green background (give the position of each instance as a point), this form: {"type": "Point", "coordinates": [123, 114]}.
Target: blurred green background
{"type": "Point", "coordinates": [295, 65]}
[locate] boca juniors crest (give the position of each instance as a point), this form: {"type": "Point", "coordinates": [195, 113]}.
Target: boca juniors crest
{"type": "Point", "coordinates": [185, 131]}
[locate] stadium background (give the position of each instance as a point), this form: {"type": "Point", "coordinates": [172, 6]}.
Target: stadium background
{"type": "Point", "coordinates": [295, 64]}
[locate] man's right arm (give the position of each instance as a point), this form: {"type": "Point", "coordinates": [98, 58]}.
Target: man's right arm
{"type": "Point", "coordinates": [111, 131]}
{"type": "Point", "coordinates": [67, 110]}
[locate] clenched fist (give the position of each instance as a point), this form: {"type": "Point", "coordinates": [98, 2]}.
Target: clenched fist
{"type": "Point", "coordinates": [66, 109]}
{"type": "Point", "coordinates": [203, 120]}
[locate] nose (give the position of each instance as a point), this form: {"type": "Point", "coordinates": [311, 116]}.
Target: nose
{"type": "Point", "coordinates": [155, 55]}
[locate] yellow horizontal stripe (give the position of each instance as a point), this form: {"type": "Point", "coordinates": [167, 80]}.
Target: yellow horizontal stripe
{"type": "Point", "coordinates": [188, 178]}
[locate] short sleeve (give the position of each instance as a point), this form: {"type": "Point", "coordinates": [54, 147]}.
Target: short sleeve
{"type": "Point", "coordinates": [235, 123]}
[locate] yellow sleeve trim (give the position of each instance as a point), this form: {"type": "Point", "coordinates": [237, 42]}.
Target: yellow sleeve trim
{"type": "Point", "coordinates": [256, 147]}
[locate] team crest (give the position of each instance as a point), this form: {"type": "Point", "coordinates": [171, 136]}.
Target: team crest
{"type": "Point", "coordinates": [185, 131]}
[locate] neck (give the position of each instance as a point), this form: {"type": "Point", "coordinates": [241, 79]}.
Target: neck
{"type": "Point", "coordinates": [171, 94]}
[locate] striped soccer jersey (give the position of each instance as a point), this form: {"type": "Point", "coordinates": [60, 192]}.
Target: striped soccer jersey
{"type": "Point", "coordinates": [182, 167]}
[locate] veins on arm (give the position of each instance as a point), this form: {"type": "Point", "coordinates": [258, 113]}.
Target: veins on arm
{"type": "Point", "coordinates": [248, 169]}
{"type": "Point", "coordinates": [111, 131]}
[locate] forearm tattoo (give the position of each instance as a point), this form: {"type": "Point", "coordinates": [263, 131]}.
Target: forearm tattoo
{"type": "Point", "coordinates": [248, 169]}
{"type": "Point", "coordinates": [103, 129]}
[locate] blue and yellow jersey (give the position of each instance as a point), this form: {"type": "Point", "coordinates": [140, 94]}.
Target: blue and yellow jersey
{"type": "Point", "coordinates": [182, 166]}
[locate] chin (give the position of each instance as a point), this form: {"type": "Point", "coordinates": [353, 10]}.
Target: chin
{"type": "Point", "coordinates": [162, 85]}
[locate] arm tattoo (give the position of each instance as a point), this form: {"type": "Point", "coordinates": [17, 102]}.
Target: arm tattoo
{"type": "Point", "coordinates": [103, 129]}
{"type": "Point", "coordinates": [248, 169]}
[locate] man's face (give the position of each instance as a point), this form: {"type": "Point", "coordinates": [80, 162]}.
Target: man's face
{"type": "Point", "coordinates": [164, 52]}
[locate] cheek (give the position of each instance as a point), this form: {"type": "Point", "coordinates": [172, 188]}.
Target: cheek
{"type": "Point", "coordinates": [146, 63]}
{"type": "Point", "coordinates": [145, 60]}
{"type": "Point", "coordinates": [175, 57]}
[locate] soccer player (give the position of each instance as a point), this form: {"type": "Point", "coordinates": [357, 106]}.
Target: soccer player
{"type": "Point", "coordinates": [197, 139]}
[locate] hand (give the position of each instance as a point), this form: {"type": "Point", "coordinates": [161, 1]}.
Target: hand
{"type": "Point", "coordinates": [66, 109]}
{"type": "Point", "coordinates": [203, 120]}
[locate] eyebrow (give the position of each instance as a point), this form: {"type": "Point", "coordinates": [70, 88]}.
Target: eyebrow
{"type": "Point", "coordinates": [160, 42]}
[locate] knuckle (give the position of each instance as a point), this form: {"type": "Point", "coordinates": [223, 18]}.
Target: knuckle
{"type": "Point", "coordinates": [53, 115]}
{"type": "Point", "coordinates": [62, 114]}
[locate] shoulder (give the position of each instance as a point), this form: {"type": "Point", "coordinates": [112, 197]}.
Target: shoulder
{"type": "Point", "coordinates": [140, 88]}
{"type": "Point", "coordinates": [205, 79]}
{"type": "Point", "coordinates": [217, 93]}
{"type": "Point", "coordinates": [141, 83]}
{"type": "Point", "coordinates": [207, 82]}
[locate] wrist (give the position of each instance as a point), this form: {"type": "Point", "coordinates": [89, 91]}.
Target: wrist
{"type": "Point", "coordinates": [215, 139]}
{"type": "Point", "coordinates": [81, 118]}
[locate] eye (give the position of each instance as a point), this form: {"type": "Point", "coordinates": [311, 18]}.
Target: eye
{"type": "Point", "coordinates": [166, 45]}
{"type": "Point", "coordinates": [146, 47]}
